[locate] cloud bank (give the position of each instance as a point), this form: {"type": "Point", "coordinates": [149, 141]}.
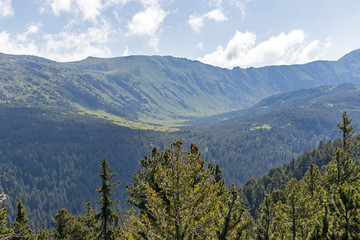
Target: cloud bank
{"type": "Point", "coordinates": [63, 46]}
{"type": "Point", "coordinates": [242, 50]}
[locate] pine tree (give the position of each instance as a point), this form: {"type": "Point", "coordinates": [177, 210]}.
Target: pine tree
{"type": "Point", "coordinates": [342, 182]}
{"type": "Point", "coordinates": [5, 233]}
{"type": "Point", "coordinates": [294, 212]}
{"type": "Point", "coordinates": [66, 227]}
{"type": "Point", "coordinates": [265, 228]}
{"type": "Point", "coordinates": [232, 222]}
{"type": "Point", "coordinates": [342, 169]}
{"type": "Point", "coordinates": [89, 220]}
{"type": "Point", "coordinates": [313, 181]}
{"type": "Point", "coordinates": [42, 235]}
{"type": "Point", "coordinates": [21, 228]}
{"type": "Point", "coordinates": [109, 218]}
{"type": "Point", "coordinates": [145, 178]}
{"type": "Point", "coordinates": [184, 199]}
{"type": "Point", "coordinates": [314, 200]}
{"type": "Point", "coordinates": [346, 206]}
{"type": "Point", "coordinates": [347, 131]}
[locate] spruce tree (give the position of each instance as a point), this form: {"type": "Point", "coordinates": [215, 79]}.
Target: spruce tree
{"type": "Point", "coordinates": [108, 217]}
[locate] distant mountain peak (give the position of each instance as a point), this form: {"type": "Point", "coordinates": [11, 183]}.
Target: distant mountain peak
{"type": "Point", "coordinates": [355, 54]}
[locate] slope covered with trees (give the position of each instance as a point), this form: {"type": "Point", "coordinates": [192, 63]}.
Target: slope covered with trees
{"type": "Point", "coordinates": [50, 159]}
{"type": "Point", "coordinates": [179, 196]}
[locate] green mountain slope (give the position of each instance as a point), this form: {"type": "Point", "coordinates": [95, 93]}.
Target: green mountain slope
{"type": "Point", "coordinates": [148, 91]}
{"type": "Point", "coordinates": [51, 159]}
{"type": "Point", "coordinates": [279, 128]}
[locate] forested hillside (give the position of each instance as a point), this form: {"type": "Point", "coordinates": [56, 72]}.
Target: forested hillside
{"type": "Point", "coordinates": [180, 196]}
{"type": "Point", "coordinates": [279, 128]}
{"type": "Point", "coordinates": [44, 153]}
{"type": "Point", "coordinates": [50, 160]}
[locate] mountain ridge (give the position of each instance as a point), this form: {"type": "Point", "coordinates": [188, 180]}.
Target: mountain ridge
{"type": "Point", "coordinates": [157, 90]}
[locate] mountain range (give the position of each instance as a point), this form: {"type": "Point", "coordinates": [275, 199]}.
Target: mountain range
{"type": "Point", "coordinates": [149, 91]}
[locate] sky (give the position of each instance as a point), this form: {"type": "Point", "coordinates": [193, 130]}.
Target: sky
{"type": "Point", "coordinates": [224, 33]}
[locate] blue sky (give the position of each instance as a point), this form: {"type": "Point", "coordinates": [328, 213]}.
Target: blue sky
{"type": "Point", "coordinates": [224, 33]}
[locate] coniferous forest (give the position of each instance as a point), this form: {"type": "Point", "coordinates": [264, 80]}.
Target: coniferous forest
{"type": "Point", "coordinates": [177, 195]}
{"type": "Point", "coordinates": [169, 120]}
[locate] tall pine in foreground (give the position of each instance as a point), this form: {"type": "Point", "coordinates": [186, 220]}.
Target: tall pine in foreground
{"type": "Point", "coordinates": [21, 228]}
{"type": "Point", "coordinates": [108, 216]}
{"type": "Point", "coordinates": [180, 197]}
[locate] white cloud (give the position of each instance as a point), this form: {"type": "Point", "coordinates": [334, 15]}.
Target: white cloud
{"type": "Point", "coordinates": [304, 55]}
{"type": "Point", "coordinates": [59, 6]}
{"type": "Point", "coordinates": [20, 43]}
{"type": "Point", "coordinates": [70, 46]}
{"type": "Point", "coordinates": [242, 50]}
{"type": "Point", "coordinates": [16, 44]}
{"type": "Point", "coordinates": [5, 8]}
{"type": "Point", "coordinates": [88, 9]}
{"type": "Point", "coordinates": [32, 29]}
{"type": "Point", "coordinates": [216, 15]}
{"type": "Point", "coordinates": [146, 22]}
{"type": "Point", "coordinates": [64, 46]}
{"type": "Point", "coordinates": [197, 22]}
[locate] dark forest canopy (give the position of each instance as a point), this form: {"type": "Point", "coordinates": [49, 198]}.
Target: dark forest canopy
{"type": "Point", "coordinates": [180, 196]}
{"type": "Point", "coordinates": [48, 155]}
